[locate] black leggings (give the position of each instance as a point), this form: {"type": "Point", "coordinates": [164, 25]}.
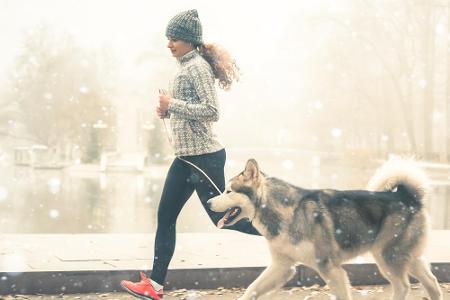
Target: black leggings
{"type": "Point", "coordinates": [181, 181]}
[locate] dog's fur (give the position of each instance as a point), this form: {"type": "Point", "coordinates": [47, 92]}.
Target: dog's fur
{"type": "Point", "coordinates": [324, 228]}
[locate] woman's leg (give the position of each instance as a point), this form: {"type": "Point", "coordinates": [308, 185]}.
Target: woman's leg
{"type": "Point", "coordinates": [177, 189]}
{"type": "Point", "coordinates": [213, 165]}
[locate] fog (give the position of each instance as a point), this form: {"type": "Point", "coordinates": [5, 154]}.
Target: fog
{"type": "Point", "coordinates": [357, 78]}
{"type": "Point", "coordinates": [328, 90]}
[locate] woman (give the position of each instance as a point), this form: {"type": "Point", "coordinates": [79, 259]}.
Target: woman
{"type": "Point", "coordinates": [192, 109]}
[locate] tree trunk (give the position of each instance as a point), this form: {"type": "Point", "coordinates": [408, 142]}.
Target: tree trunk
{"type": "Point", "coordinates": [447, 103]}
{"type": "Point", "coordinates": [428, 101]}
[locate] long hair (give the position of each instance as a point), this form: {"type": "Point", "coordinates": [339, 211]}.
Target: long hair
{"type": "Point", "coordinates": [223, 66]}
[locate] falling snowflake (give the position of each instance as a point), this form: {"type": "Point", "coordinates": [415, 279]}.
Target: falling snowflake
{"type": "Point", "coordinates": [336, 132]}
{"type": "Point", "coordinates": [54, 185]}
{"type": "Point", "coordinates": [147, 199]}
{"type": "Point", "coordinates": [53, 213]}
{"type": "Point", "coordinates": [100, 124]}
{"type": "Point", "coordinates": [84, 89]}
{"type": "Point", "coordinates": [318, 105]}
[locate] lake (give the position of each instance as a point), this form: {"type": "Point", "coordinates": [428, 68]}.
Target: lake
{"type": "Point", "coordinates": [61, 201]}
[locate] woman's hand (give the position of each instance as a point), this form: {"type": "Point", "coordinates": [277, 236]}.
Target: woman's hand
{"type": "Point", "coordinates": [164, 101]}
{"type": "Point", "coordinates": [160, 113]}
{"type": "Point", "coordinates": [163, 107]}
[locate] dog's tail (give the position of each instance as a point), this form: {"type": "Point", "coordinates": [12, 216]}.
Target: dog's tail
{"type": "Point", "coordinates": [402, 175]}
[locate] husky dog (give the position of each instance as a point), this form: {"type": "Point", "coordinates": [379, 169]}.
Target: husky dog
{"type": "Point", "coordinates": [324, 228]}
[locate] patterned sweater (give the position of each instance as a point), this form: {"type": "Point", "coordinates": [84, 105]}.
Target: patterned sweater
{"type": "Point", "coordinates": [194, 107]}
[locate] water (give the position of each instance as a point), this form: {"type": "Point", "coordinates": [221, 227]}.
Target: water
{"type": "Point", "coordinates": [54, 201]}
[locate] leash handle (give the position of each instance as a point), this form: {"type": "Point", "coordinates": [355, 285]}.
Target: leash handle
{"type": "Point", "coordinates": [164, 92]}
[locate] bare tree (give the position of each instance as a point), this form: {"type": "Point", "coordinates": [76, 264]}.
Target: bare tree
{"type": "Point", "coordinates": [397, 72]}
{"type": "Point", "coordinates": [61, 90]}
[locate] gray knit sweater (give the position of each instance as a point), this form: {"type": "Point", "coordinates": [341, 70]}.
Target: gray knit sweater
{"type": "Point", "coordinates": [194, 107]}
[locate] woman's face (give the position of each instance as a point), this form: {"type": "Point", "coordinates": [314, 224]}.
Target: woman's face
{"type": "Point", "coordinates": [178, 47]}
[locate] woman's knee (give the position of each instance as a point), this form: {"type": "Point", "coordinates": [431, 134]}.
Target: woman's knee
{"type": "Point", "coordinates": [165, 228]}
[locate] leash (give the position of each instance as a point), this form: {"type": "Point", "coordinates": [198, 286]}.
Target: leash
{"type": "Point", "coordinates": [163, 92]}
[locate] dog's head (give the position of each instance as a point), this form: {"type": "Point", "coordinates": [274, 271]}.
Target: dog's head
{"type": "Point", "coordinates": [241, 196]}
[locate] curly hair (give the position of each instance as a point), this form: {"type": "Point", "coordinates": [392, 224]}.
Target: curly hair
{"type": "Point", "coordinates": [223, 66]}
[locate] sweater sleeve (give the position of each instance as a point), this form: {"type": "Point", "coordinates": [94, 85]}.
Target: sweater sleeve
{"type": "Point", "coordinates": [207, 109]}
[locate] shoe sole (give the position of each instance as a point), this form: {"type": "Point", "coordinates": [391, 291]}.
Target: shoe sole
{"type": "Point", "coordinates": [138, 295]}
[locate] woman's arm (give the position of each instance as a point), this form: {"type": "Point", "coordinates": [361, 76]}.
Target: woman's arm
{"type": "Point", "coordinates": [203, 83]}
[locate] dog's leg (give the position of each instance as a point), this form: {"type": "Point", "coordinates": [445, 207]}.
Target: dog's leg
{"type": "Point", "coordinates": [421, 271]}
{"type": "Point", "coordinates": [396, 274]}
{"type": "Point", "coordinates": [337, 280]}
{"type": "Point", "coordinates": [273, 277]}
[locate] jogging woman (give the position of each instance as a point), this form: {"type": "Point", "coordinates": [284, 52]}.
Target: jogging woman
{"type": "Point", "coordinates": [192, 107]}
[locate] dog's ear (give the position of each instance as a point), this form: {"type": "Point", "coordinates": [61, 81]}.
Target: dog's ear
{"type": "Point", "coordinates": [251, 169]}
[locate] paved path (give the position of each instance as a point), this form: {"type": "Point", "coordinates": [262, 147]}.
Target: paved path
{"type": "Point", "coordinates": [86, 263]}
{"type": "Point", "coordinates": [311, 293]}
{"type": "Point", "coordinates": [222, 249]}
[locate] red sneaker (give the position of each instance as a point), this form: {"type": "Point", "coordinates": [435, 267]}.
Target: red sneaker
{"type": "Point", "coordinates": [142, 289]}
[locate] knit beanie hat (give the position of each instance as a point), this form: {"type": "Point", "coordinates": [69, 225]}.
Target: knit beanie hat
{"type": "Point", "coordinates": [185, 26]}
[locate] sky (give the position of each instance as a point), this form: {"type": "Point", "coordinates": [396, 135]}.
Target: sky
{"type": "Point", "coordinates": [131, 25]}
{"type": "Point", "coordinates": [253, 31]}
